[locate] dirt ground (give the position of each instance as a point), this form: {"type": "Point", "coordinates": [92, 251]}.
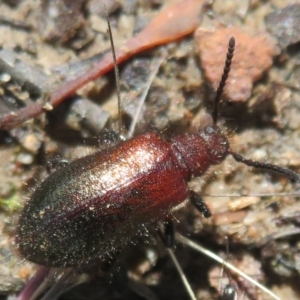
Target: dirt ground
{"type": "Point", "coordinates": [256, 211]}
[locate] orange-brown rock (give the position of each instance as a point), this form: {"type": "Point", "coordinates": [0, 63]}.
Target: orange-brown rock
{"type": "Point", "coordinates": [252, 57]}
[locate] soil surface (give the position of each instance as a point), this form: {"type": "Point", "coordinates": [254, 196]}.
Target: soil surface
{"type": "Point", "coordinates": [46, 43]}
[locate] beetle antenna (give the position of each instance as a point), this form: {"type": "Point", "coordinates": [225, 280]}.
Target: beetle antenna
{"type": "Point", "coordinates": [226, 70]}
{"type": "Point", "coordinates": [269, 167]}
{"type": "Point", "coordinates": [116, 69]}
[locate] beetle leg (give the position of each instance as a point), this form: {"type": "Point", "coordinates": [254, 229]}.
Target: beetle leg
{"type": "Point", "coordinates": [199, 204]}
{"type": "Point", "coordinates": [56, 163]}
{"type": "Point", "coordinates": [168, 234]}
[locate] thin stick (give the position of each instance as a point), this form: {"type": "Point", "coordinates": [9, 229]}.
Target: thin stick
{"type": "Point", "coordinates": [250, 195]}
{"type": "Point", "coordinates": [62, 285]}
{"type": "Point", "coordinates": [220, 260]}
{"type": "Point", "coordinates": [116, 69]}
{"type": "Point", "coordinates": [36, 284]}
{"type": "Point", "coordinates": [181, 274]}
{"type": "Point", "coordinates": [143, 97]}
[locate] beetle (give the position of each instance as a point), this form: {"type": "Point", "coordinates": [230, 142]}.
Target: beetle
{"type": "Point", "coordinates": [94, 205]}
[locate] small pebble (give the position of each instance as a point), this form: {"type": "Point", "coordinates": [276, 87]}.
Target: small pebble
{"type": "Point", "coordinates": [25, 158]}
{"type": "Point", "coordinates": [60, 20]}
{"type": "Point", "coordinates": [96, 7]}
{"type": "Point", "coordinates": [284, 25]}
